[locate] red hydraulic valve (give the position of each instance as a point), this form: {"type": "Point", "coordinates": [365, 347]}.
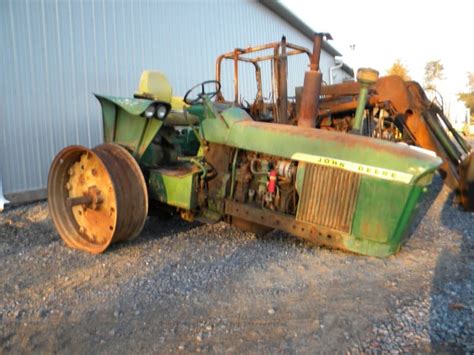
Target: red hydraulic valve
{"type": "Point", "coordinates": [272, 183]}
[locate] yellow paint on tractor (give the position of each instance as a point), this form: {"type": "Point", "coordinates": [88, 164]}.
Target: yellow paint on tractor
{"type": "Point", "coordinates": [374, 171]}
{"type": "Point", "coordinates": [154, 85]}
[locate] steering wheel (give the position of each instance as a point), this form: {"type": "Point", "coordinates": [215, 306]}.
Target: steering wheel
{"type": "Point", "coordinates": [200, 96]}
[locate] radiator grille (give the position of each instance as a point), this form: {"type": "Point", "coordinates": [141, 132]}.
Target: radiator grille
{"type": "Point", "coordinates": [328, 197]}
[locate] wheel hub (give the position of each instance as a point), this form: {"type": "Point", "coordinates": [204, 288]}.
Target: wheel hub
{"type": "Point", "coordinates": [92, 198]}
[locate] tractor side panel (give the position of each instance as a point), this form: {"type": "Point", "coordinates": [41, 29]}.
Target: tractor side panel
{"type": "Point", "coordinates": [177, 190]}
{"type": "Point", "coordinates": [127, 127]}
{"type": "Point", "coordinates": [380, 205]}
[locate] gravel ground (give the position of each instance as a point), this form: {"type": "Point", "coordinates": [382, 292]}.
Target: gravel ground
{"type": "Point", "coordinates": [192, 287]}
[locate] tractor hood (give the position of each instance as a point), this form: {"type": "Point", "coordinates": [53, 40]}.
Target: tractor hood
{"type": "Point", "coordinates": [373, 157]}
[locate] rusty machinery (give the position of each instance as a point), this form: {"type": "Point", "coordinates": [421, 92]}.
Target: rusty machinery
{"type": "Point", "coordinates": [277, 106]}
{"type": "Point", "coordinates": [386, 108]}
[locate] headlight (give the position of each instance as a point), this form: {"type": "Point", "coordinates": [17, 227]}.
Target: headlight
{"type": "Point", "coordinates": [149, 112]}
{"type": "Point", "coordinates": [161, 112]}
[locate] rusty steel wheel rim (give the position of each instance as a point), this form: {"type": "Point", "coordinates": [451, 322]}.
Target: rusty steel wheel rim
{"type": "Point", "coordinates": [96, 197]}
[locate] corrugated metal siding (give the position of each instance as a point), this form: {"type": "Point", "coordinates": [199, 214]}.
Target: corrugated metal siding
{"type": "Point", "coordinates": [57, 53]}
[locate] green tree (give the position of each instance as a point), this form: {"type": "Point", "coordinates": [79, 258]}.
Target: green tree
{"type": "Point", "coordinates": [398, 68]}
{"type": "Point", "coordinates": [468, 97]}
{"type": "Point", "coordinates": [434, 70]}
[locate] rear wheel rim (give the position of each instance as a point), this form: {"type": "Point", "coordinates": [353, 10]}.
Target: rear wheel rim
{"type": "Point", "coordinates": [96, 197]}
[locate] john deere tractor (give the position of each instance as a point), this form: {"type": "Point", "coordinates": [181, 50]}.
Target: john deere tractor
{"type": "Point", "coordinates": [212, 162]}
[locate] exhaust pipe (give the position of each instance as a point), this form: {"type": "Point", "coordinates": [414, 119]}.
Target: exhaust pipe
{"type": "Point", "coordinates": [312, 85]}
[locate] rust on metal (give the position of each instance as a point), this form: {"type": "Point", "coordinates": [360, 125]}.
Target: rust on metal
{"type": "Point", "coordinates": [349, 140]}
{"type": "Point", "coordinates": [282, 99]}
{"type": "Point", "coordinates": [81, 200]}
{"type": "Point", "coordinates": [236, 76]}
{"type": "Point", "coordinates": [313, 233]}
{"type": "Point", "coordinates": [309, 106]}
{"type": "Point", "coordinates": [243, 55]}
{"type": "Point", "coordinates": [92, 199]}
{"type": "Point", "coordinates": [328, 197]}
{"type": "Point", "coordinates": [96, 196]}
{"type": "Point", "coordinates": [249, 226]}
{"type": "Point", "coordinates": [316, 55]}
{"type": "Point", "coordinates": [409, 99]}
{"type": "Point", "coordinates": [350, 88]}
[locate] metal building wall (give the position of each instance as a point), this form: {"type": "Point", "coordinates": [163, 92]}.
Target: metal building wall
{"type": "Point", "coordinates": [57, 53]}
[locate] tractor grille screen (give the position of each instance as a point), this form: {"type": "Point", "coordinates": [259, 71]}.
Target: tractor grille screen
{"type": "Point", "coordinates": [328, 197]}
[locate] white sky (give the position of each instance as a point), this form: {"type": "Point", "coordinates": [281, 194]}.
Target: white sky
{"type": "Point", "coordinates": [415, 31]}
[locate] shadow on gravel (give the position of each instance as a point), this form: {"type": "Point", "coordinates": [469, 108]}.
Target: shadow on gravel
{"type": "Point", "coordinates": [169, 299]}
{"type": "Point", "coordinates": [452, 293]}
{"type": "Point", "coordinates": [426, 202]}
{"type": "Point", "coordinates": [156, 228]}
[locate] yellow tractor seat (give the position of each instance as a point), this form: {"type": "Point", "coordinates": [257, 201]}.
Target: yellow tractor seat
{"type": "Point", "coordinates": [154, 86]}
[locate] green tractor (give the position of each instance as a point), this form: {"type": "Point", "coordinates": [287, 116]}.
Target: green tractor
{"type": "Point", "coordinates": [210, 161]}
